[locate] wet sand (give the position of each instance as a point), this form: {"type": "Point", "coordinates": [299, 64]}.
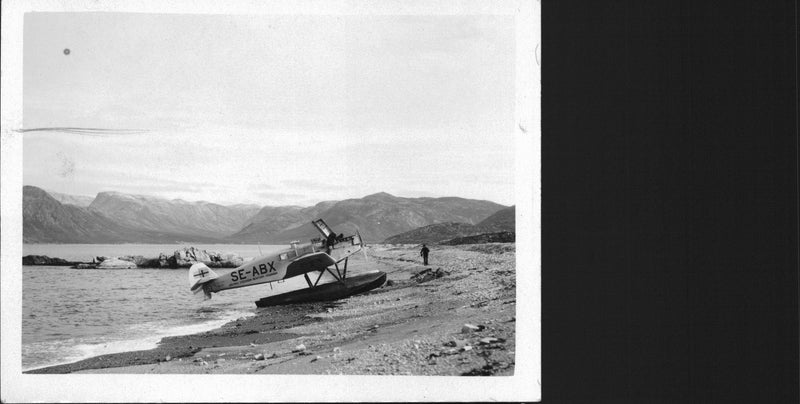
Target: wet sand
{"type": "Point", "coordinates": [413, 325]}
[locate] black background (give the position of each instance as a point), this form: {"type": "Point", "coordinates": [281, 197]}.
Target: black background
{"type": "Point", "coordinates": [669, 201]}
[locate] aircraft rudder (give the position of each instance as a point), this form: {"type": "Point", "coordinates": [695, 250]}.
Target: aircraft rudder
{"type": "Point", "coordinates": [200, 274]}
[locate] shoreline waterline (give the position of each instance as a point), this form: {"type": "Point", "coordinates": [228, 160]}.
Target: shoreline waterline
{"type": "Point", "coordinates": [71, 314]}
{"type": "Point", "coordinates": [142, 343]}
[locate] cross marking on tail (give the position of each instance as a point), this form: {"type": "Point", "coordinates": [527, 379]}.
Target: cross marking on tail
{"type": "Point", "coordinates": [202, 273]}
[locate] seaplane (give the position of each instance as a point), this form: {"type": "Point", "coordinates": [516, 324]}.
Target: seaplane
{"type": "Point", "coordinates": [320, 255]}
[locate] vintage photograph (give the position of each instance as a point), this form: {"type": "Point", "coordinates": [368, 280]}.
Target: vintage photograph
{"type": "Point", "coordinates": [280, 192]}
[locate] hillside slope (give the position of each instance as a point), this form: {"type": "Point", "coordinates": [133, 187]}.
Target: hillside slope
{"type": "Point", "coordinates": [114, 217]}
{"type": "Point", "coordinates": [202, 219]}
{"type": "Point", "coordinates": [381, 215]}
{"type": "Point", "coordinates": [501, 221]}
{"type": "Point", "coordinates": [46, 220]}
{"type": "Point", "coordinates": [77, 200]}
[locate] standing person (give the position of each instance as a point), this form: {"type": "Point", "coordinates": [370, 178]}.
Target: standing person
{"type": "Point", "coordinates": [331, 241]}
{"type": "Point", "coordinates": [424, 253]}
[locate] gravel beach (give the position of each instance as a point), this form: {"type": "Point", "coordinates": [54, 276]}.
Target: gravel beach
{"type": "Point", "coordinates": [453, 317]}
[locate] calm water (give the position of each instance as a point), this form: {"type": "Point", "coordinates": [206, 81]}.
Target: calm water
{"type": "Point", "coordinates": [71, 314]}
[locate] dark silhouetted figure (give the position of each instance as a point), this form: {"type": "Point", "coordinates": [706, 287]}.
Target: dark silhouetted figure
{"type": "Point", "coordinates": [331, 241]}
{"type": "Point", "coordinates": [424, 253]}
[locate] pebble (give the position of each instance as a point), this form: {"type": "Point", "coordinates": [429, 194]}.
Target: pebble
{"type": "Point", "coordinates": [274, 355]}
{"type": "Point", "coordinates": [489, 340]}
{"type": "Point", "coordinates": [169, 358]}
{"type": "Point", "coordinates": [466, 348]}
{"type": "Point", "coordinates": [259, 357]}
{"type": "Point", "coordinates": [299, 348]}
{"type": "Point", "coordinates": [468, 328]}
{"type": "Point", "coordinates": [337, 349]}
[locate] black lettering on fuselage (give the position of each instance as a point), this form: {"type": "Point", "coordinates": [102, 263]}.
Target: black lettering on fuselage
{"type": "Point", "coordinates": [261, 269]}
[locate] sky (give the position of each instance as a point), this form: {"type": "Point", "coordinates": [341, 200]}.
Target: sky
{"type": "Point", "coordinates": [271, 110]}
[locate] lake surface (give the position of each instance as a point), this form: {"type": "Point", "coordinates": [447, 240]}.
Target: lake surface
{"type": "Point", "coordinates": [71, 314]}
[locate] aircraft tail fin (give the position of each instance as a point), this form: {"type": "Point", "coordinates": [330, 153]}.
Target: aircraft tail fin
{"type": "Point", "coordinates": [199, 276]}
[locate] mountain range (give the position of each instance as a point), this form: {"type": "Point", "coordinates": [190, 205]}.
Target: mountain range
{"type": "Point", "coordinates": [113, 217]}
{"type": "Point", "coordinates": [501, 221]}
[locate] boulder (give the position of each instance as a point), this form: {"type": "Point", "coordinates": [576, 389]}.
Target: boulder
{"type": "Point", "coordinates": [148, 263]}
{"type": "Point", "coordinates": [130, 258]}
{"type": "Point", "coordinates": [115, 263]}
{"type": "Point", "coordinates": [230, 260]}
{"type": "Point", "coordinates": [163, 261]}
{"type": "Point", "coordinates": [43, 260]}
{"type": "Point", "coordinates": [189, 256]}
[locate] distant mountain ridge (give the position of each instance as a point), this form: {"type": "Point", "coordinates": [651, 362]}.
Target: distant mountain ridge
{"type": "Point", "coordinates": [151, 213]}
{"type": "Point", "coordinates": [114, 217]}
{"type": "Point", "coordinates": [375, 216]}
{"type": "Point", "coordinates": [501, 221]}
{"type": "Point", "coordinates": [77, 200]}
{"type": "Point", "coordinates": [46, 220]}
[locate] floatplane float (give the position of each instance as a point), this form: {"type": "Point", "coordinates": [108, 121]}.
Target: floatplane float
{"type": "Point", "coordinates": [300, 259]}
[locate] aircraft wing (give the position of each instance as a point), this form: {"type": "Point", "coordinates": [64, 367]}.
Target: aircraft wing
{"type": "Point", "coordinates": [312, 262]}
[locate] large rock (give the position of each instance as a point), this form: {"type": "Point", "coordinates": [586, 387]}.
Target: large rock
{"type": "Point", "coordinates": [116, 263]}
{"type": "Point", "coordinates": [189, 256]}
{"type": "Point", "coordinates": [141, 261]}
{"type": "Point", "coordinates": [43, 260]}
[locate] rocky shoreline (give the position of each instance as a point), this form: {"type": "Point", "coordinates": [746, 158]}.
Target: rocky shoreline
{"type": "Point", "coordinates": [454, 317]}
{"type": "Point", "coordinates": [183, 258]}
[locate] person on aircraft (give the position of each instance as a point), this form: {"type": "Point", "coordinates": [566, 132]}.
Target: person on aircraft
{"type": "Point", "coordinates": [331, 241]}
